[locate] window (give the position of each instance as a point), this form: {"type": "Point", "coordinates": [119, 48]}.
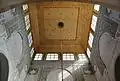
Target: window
{"type": "Point", "coordinates": [97, 7]}
{"type": "Point", "coordinates": [90, 41]}
{"type": "Point", "coordinates": [82, 58]}
{"type": "Point", "coordinates": [25, 7]}
{"type": "Point", "coordinates": [27, 26]}
{"type": "Point", "coordinates": [27, 21]}
{"type": "Point", "coordinates": [88, 52]}
{"type": "Point", "coordinates": [32, 52]}
{"type": "Point", "coordinates": [52, 57]}
{"type": "Point", "coordinates": [68, 57]}
{"type": "Point", "coordinates": [65, 73]}
{"type": "Point", "coordinates": [30, 39]}
{"type": "Point", "coordinates": [93, 27]}
{"type": "Point", "coordinates": [94, 22]}
{"type": "Point", "coordinates": [26, 17]}
{"type": "Point", "coordinates": [38, 56]}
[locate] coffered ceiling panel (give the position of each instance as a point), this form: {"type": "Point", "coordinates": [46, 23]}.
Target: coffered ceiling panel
{"type": "Point", "coordinates": [60, 28]}
{"type": "Point", "coordinates": [60, 23]}
{"type": "Point", "coordinates": [60, 13]}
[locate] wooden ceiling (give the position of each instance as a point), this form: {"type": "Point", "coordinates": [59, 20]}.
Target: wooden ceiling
{"type": "Point", "coordinates": [47, 39]}
{"type": "Point", "coordinates": [115, 4]}
{"type": "Point", "coordinates": [60, 26]}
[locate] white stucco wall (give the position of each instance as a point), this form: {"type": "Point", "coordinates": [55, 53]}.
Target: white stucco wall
{"type": "Point", "coordinates": [17, 54]}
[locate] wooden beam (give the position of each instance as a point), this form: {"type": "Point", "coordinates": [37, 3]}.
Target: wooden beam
{"type": "Point", "coordinates": [85, 1]}
{"type": "Point", "coordinates": [114, 4]}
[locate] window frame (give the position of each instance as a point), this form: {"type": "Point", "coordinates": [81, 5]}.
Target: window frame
{"type": "Point", "coordinates": [68, 56]}
{"type": "Point", "coordinates": [91, 39]}
{"type": "Point", "coordinates": [27, 22]}
{"type": "Point", "coordinates": [52, 56]}
{"type": "Point", "coordinates": [96, 8]}
{"type": "Point", "coordinates": [38, 56]}
{"type": "Point", "coordinates": [32, 51]}
{"type": "Point", "coordinates": [25, 8]}
{"type": "Point", "coordinates": [94, 22]}
{"type": "Point", "coordinates": [30, 39]}
{"type": "Point", "coordinates": [88, 51]}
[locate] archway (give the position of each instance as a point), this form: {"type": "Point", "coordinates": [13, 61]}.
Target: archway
{"type": "Point", "coordinates": [56, 75]}
{"type": "Point", "coordinates": [4, 68]}
{"type": "Point", "coordinates": [117, 69]}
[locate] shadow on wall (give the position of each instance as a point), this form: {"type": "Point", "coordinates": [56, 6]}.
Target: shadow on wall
{"type": "Point", "coordinates": [4, 68]}
{"type": "Point", "coordinates": [56, 75]}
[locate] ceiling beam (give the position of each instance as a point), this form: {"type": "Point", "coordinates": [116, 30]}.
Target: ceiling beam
{"type": "Point", "coordinates": [114, 4]}
{"type": "Point", "coordinates": [86, 1]}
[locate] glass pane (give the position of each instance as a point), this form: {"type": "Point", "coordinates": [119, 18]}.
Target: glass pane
{"type": "Point", "coordinates": [52, 57]}
{"type": "Point", "coordinates": [97, 7]}
{"type": "Point", "coordinates": [68, 56]}
{"type": "Point", "coordinates": [39, 59]}
{"type": "Point", "coordinates": [35, 59]}
{"type": "Point", "coordinates": [32, 52]}
{"type": "Point", "coordinates": [38, 56]}
{"type": "Point", "coordinates": [56, 58]}
{"type": "Point", "coordinates": [90, 41]}
{"type": "Point", "coordinates": [94, 22]}
{"type": "Point", "coordinates": [48, 58]}
{"type": "Point", "coordinates": [30, 39]}
{"type": "Point", "coordinates": [27, 24]}
{"type": "Point", "coordinates": [64, 57]}
{"type": "Point", "coordinates": [72, 58]}
{"type": "Point", "coordinates": [88, 52]}
{"type": "Point", "coordinates": [25, 7]}
{"type": "Point", "coordinates": [81, 56]}
{"type": "Point", "coordinates": [26, 17]}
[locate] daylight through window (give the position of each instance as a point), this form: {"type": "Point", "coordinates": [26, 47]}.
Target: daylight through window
{"type": "Point", "coordinates": [38, 56]}
{"type": "Point", "coordinates": [52, 56]}
{"type": "Point", "coordinates": [68, 56]}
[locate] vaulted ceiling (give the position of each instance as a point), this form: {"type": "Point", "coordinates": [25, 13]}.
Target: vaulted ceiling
{"type": "Point", "coordinates": [60, 26]}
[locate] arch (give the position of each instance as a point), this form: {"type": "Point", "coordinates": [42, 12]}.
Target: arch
{"type": "Point", "coordinates": [65, 70]}
{"type": "Point", "coordinates": [4, 68]}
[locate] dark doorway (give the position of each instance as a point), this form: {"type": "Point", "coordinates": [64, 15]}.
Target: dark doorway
{"type": "Point", "coordinates": [117, 69]}
{"type": "Point", "coordinates": [4, 68]}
